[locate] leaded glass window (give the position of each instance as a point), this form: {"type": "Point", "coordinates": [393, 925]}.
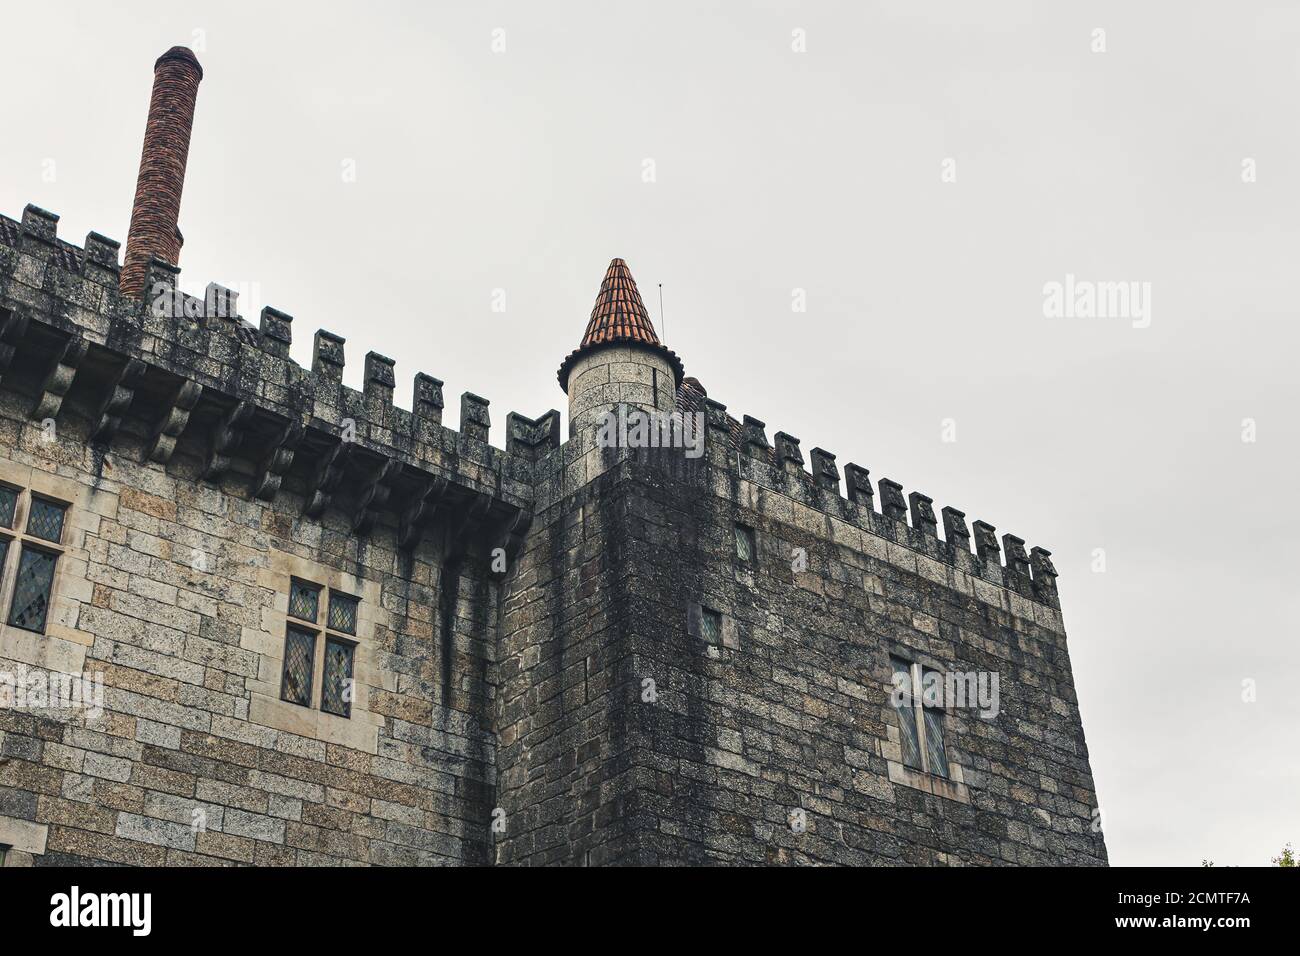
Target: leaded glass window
{"type": "Point", "coordinates": [908, 739]}
{"type": "Point", "coordinates": [304, 601]}
{"type": "Point", "coordinates": [937, 756]}
{"type": "Point", "coordinates": [343, 613]}
{"type": "Point", "coordinates": [45, 520]}
{"type": "Point", "coordinates": [8, 501]}
{"type": "Point", "coordinates": [336, 691]}
{"type": "Point", "coordinates": [901, 697]}
{"type": "Point", "coordinates": [744, 543]}
{"type": "Point", "coordinates": [710, 625]}
{"type": "Point", "coordinates": [31, 592]}
{"type": "Point", "coordinates": [917, 696]}
{"type": "Point", "coordinates": [299, 662]}
{"type": "Point", "coordinates": [305, 662]}
{"type": "Point", "coordinates": [32, 586]}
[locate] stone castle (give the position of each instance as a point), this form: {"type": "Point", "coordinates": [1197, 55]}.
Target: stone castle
{"type": "Point", "coordinates": [250, 615]}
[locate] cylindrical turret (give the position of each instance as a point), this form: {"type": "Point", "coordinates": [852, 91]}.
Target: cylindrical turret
{"type": "Point", "coordinates": [620, 360]}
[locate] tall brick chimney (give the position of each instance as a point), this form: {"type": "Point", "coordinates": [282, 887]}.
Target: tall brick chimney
{"type": "Point", "coordinates": [154, 232]}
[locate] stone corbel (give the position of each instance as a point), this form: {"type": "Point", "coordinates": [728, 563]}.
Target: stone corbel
{"type": "Point", "coordinates": [226, 438]}
{"type": "Point", "coordinates": [513, 530]}
{"type": "Point", "coordinates": [465, 523]}
{"type": "Point", "coordinates": [410, 526]}
{"type": "Point", "coordinates": [116, 402]}
{"type": "Point", "coordinates": [270, 472]}
{"type": "Point", "coordinates": [59, 379]}
{"type": "Point", "coordinates": [163, 443]}
{"type": "Point", "coordinates": [374, 495]}
{"type": "Point", "coordinates": [327, 477]}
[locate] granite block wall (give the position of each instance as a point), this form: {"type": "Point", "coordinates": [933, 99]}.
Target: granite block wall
{"type": "Point", "coordinates": [173, 592]}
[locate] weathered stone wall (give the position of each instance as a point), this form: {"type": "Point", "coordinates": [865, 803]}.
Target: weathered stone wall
{"type": "Point", "coordinates": [566, 766]}
{"type": "Point", "coordinates": [191, 665]}
{"type": "Point", "coordinates": [777, 742]}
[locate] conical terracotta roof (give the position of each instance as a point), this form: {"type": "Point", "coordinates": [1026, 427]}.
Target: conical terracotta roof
{"type": "Point", "coordinates": [618, 318]}
{"type": "Point", "coordinates": [619, 313]}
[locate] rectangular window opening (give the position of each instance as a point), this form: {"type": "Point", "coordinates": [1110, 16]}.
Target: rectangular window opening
{"type": "Point", "coordinates": [745, 545]}
{"type": "Point", "coordinates": [32, 585]}
{"type": "Point", "coordinates": [304, 600]}
{"type": "Point", "coordinates": [299, 661]}
{"type": "Point", "coordinates": [343, 613]}
{"type": "Point", "coordinates": [45, 519]}
{"type": "Point", "coordinates": [710, 625]}
{"type": "Point", "coordinates": [8, 502]}
{"type": "Point", "coordinates": [337, 685]}
{"type": "Point", "coordinates": [920, 718]}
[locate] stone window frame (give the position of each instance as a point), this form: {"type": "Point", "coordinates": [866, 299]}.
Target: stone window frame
{"type": "Point", "coordinates": [322, 634]}
{"type": "Point", "coordinates": [358, 731]}
{"type": "Point", "coordinates": [951, 787]}
{"type": "Point", "coordinates": [16, 540]}
{"type": "Point", "coordinates": [727, 636]}
{"type": "Point", "coordinates": [916, 672]}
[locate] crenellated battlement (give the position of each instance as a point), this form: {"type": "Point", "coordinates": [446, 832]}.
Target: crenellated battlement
{"type": "Point", "coordinates": [69, 329]}
{"type": "Point", "coordinates": [219, 357]}
{"type": "Point", "coordinates": [908, 520]}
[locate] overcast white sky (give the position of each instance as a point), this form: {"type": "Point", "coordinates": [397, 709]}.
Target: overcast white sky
{"type": "Point", "coordinates": [777, 170]}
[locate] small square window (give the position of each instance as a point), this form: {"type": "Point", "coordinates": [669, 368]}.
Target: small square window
{"type": "Point", "coordinates": [299, 660]}
{"type": "Point", "coordinates": [32, 585]}
{"type": "Point", "coordinates": [343, 613]}
{"type": "Point", "coordinates": [304, 600]}
{"type": "Point", "coordinates": [745, 543]}
{"type": "Point", "coordinates": [336, 694]}
{"type": "Point", "coordinates": [710, 625]}
{"type": "Point", "coordinates": [8, 501]}
{"type": "Point", "coordinates": [46, 520]}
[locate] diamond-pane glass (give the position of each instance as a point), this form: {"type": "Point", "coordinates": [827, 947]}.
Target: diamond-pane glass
{"type": "Point", "coordinates": [711, 626]}
{"type": "Point", "coordinates": [343, 613]}
{"type": "Point", "coordinates": [304, 601]}
{"type": "Point", "coordinates": [744, 543]}
{"type": "Point", "coordinates": [936, 754]}
{"type": "Point", "coordinates": [901, 679]}
{"type": "Point", "coordinates": [299, 651]}
{"type": "Point", "coordinates": [32, 590]}
{"type": "Point", "coordinates": [336, 694]}
{"type": "Point", "coordinates": [45, 520]}
{"type": "Point", "coordinates": [908, 737]}
{"type": "Point", "coordinates": [8, 499]}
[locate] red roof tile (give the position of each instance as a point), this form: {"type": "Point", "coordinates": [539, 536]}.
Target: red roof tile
{"type": "Point", "coordinates": [618, 318]}
{"type": "Point", "coordinates": [619, 314]}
